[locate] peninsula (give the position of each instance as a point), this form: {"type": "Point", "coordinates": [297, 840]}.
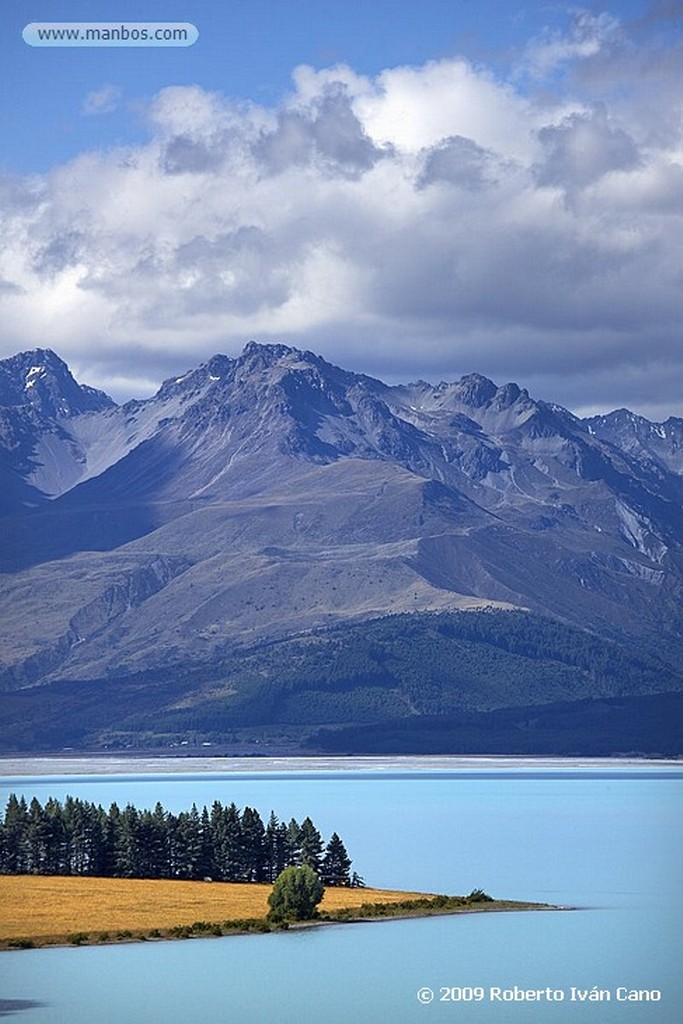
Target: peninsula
{"type": "Point", "coordinates": [44, 910]}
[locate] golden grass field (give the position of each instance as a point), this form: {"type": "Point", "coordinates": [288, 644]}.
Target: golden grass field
{"type": "Point", "coordinates": [50, 907]}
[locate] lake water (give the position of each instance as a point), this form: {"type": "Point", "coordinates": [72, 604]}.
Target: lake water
{"type": "Point", "coordinates": [604, 837]}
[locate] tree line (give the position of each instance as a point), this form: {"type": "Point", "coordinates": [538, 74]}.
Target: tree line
{"type": "Point", "coordinates": [223, 844]}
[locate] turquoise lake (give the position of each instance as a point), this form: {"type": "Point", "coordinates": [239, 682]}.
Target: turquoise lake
{"type": "Point", "coordinates": [603, 838]}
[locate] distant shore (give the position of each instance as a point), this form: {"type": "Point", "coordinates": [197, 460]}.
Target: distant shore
{"type": "Point", "coordinates": [163, 763]}
{"type": "Point", "coordinates": [48, 910]}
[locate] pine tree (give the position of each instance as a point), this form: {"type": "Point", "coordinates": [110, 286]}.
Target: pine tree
{"type": "Point", "coordinates": [336, 863]}
{"type": "Point", "coordinates": [110, 834]}
{"type": "Point", "coordinates": [311, 846]}
{"type": "Point", "coordinates": [253, 846]}
{"type": "Point", "coordinates": [40, 839]}
{"type": "Point", "coordinates": [293, 837]}
{"type": "Point", "coordinates": [101, 862]}
{"type": "Point", "coordinates": [206, 866]}
{"type": "Point", "coordinates": [127, 839]}
{"type": "Point", "coordinates": [76, 824]}
{"type": "Point", "coordinates": [279, 851]}
{"type": "Point", "coordinates": [228, 844]}
{"type": "Point", "coordinates": [187, 844]}
{"type": "Point", "coordinates": [150, 844]}
{"type": "Point", "coordinates": [55, 839]}
{"type": "Point", "coordinates": [15, 828]}
{"type": "Point", "coordinates": [270, 848]}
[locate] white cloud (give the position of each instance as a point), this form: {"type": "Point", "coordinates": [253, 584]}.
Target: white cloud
{"type": "Point", "coordinates": [429, 221]}
{"type": "Point", "coordinates": [587, 36]}
{"type": "Point", "coordinates": [103, 100]}
{"type": "Point", "coordinates": [414, 108]}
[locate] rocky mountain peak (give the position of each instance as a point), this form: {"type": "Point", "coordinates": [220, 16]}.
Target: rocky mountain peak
{"type": "Point", "coordinates": [274, 360]}
{"type": "Point", "coordinates": [38, 380]}
{"type": "Point", "coordinates": [651, 443]}
{"type": "Point", "coordinates": [475, 390]}
{"type": "Point", "coordinates": [196, 381]}
{"type": "Point", "coordinates": [267, 354]}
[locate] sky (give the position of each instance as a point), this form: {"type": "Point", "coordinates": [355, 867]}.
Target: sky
{"type": "Point", "coordinates": [413, 190]}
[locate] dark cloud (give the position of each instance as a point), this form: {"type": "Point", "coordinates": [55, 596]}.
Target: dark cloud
{"type": "Point", "coordinates": [582, 149]}
{"type": "Point", "coordinates": [639, 74]}
{"type": "Point", "coordinates": [10, 288]}
{"type": "Point", "coordinates": [244, 269]}
{"type": "Point", "coordinates": [458, 161]}
{"type": "Point", "coordinates": [185, 155]}
{"type": "Point", "coordinates": [64, 249]}
{"type": "Point", "coordinates": [20, 195]}
{"type": "Point", "coordinates": [330, 131]}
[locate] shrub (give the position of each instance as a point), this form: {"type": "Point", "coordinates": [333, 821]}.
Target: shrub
{"type": "Point", "coordinates": [296, 895]}
{"type": "Point", "coordinates": [479, 896]}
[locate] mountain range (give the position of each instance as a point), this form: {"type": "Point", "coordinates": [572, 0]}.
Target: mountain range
{"type": "Point", "coordinates": [273, 552]}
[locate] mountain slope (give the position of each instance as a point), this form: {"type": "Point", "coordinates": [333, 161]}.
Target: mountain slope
{"type": "Point", "coordinates": [255, 499]}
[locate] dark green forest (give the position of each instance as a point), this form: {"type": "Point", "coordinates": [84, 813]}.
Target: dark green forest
{"type": "Point", "coordinates": [222, 844]}
{"type": "Point", "coordinates": [418, 664]}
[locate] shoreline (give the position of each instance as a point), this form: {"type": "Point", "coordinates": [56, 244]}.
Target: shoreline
{"type": "Point", "coordinates": [260, 926]}
{"type": "Point", "coordinates": [94, 763]}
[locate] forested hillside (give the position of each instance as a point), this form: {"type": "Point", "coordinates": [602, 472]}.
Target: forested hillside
{"type": "Point", "coordinates": [402, 668]}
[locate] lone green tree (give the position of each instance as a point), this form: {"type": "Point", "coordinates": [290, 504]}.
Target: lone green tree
{"type": "Point", "coordinates": [296, 894]}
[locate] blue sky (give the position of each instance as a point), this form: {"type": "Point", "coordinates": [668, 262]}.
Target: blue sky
{"type": "Point", "coordinates": [439, 188]}
{"type": "Point", "coordinates": [246, 49]}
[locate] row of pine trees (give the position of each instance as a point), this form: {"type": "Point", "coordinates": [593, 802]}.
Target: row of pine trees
{"type": "Point", "coordinates": [221, 844]}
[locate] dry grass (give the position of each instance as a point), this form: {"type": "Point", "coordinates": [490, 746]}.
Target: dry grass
{"type": "Point", "coordinates": [40, 907]}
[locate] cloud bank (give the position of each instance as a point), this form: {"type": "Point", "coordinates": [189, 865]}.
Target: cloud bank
{"type": "Point", "coordinates": [425, 222]}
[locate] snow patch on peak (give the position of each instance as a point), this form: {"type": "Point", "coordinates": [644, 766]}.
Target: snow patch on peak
{"type": "Point", "coordinates": [32, 374]}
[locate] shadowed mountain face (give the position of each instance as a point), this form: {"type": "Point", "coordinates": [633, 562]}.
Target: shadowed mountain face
{"type": "Point", "coordinates": [255, 499]}
{"type": "Point", "coordinates": [38, 456]}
